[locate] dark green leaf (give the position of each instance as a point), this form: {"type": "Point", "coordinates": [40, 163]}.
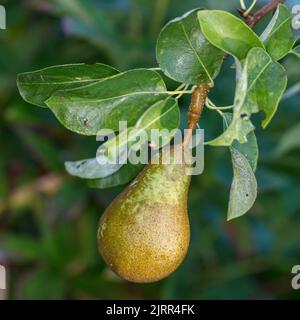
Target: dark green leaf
{"type": "Point", "coordinates": [38, 86]}
{"type": "Point", "coordinates": [123, 97]}
{"type": "Point", "coordinates": [228, 33]}
{"type": "Point", "coordinates": [278, 36]}
{"type": "Point", "coordinates": [244, 186]}
{"type": "Point", "coordinates": [185, 55]}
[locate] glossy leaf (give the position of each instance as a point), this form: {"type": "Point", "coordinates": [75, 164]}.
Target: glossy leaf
{"type": "Point", "coordinates": [278, 37]}
{"type": "Point", "coordinates": [38, 86]}
{"type": "Point", "coordinates": [112, 154]}
{"type": "Point", "coordinates": [123, 97]}
{"type": "Point", "coordinates": [244, 186]}
{"type": "Point", "coordinates": [110, 157]}
{"type": "Point", "coordinates": [121, 177]}
{"type": "Point", "coordinates": [184, 54]}
{"type": "Point", "coordinates": [163, 116]}
{"type": "Point", "coordinates": [228, 33]}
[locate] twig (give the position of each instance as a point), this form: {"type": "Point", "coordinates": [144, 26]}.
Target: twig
{"type": "Point", "coordinates": [253, 19]}
{"type": "Point", "coordinates": [198, 101]}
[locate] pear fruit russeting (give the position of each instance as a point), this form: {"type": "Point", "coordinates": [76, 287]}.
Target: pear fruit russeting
{"type": "Point", "coordinates": [144, 234]}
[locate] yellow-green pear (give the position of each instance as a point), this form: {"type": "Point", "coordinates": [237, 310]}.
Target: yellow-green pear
{"type": "Point", "coordinates": [144, 234]}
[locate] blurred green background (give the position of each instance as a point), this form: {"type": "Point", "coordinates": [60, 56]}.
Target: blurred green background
{"type": "Point", "coordinates": [48, 220]}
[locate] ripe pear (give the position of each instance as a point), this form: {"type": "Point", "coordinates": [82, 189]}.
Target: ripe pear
{"type": "Point", "coordinates": [144, 234]}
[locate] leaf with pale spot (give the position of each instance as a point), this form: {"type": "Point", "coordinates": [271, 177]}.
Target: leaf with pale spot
{"type": "Point", "coordinates": [279, 37]}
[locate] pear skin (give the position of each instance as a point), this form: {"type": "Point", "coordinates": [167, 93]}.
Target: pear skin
{"type": "Point", "coordinates": [144, 234]}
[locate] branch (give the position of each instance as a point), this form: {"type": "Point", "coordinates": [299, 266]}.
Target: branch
{"type": "Point", "coordinates": [253, 19]}
{"type": "Point", "coordinates": [195, 111]}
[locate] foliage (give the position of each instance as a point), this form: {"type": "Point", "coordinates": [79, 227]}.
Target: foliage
{"type": "Point", "coordinates": [48, 220]}
{"type": "Point", "coordinates": [190, 50]}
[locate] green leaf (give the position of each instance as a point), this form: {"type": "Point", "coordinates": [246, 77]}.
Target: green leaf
{"type": "Point", "coordinates": [248, 149]}
{"type": "Point", "coordinates": [121, 177]}
{"type": "Point", "coordinates": [109, 159]}
{"type": "Point", "coordinates": [289, 141]}
{"type": "Point", "coordinates": [256, 91]}
{"type": "Point", "coordinates": [228, 33]}
{"type": "Point", "coordinates": [296, 51]}
{"type": "Point", "coordinates": [184, 54]}
{"type": "Point", "coordinates": [267, 81]}
{"type": "Point", "coordinates": [91, 169]}
{"type": "Point", "coordinates": [240, 126]}
{"type": "Point", "coordinates": [112, 154]}
{"type": "Point", "coordinates": [163, 116]}
{"type": "Point", "coordinates": [38, 86]}
{"type": "Point", "coordinates": [123, 97]}
{"type": "Point", "coordinates": [278, 37]}
{"type": "Point", "coordinates": [244, 186]}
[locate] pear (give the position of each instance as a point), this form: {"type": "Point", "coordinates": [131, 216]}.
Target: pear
{"type": "Point", "coordinates": [144, 234]}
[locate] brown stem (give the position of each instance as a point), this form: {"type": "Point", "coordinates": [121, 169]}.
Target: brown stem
{"type": "Point", "coordinates": [253, 19]}
{"type": "Point", "coordinates": [195, 110]}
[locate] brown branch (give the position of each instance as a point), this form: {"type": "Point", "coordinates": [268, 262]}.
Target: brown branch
{"type": "Point", "coordinates": [195, 111]}
{"type": "Point", "coordinates": [253, 19]}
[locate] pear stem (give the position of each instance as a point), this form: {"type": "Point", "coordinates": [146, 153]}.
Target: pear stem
{"type": "Point", "coordinates": [253, 19]}
{"type": "Point", "coordinates": [195, 111]}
